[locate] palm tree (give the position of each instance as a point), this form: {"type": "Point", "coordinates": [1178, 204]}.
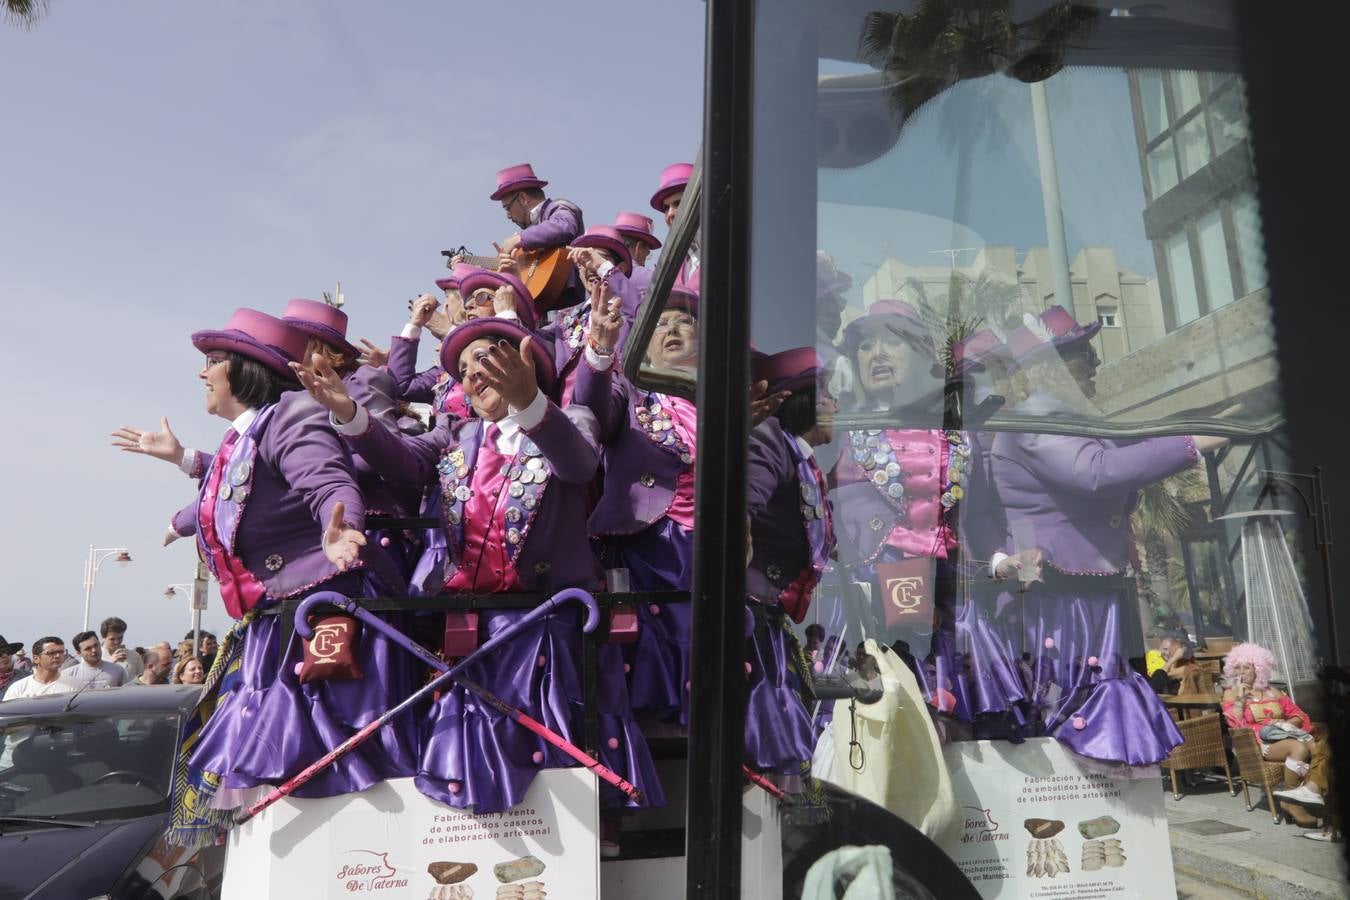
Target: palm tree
{"type": "Point", "coordinates": [24, 13]}
{"type": "Point", "coordinates": [968, 304]}
{"type": "Point", "coordinates": [1165, 513]}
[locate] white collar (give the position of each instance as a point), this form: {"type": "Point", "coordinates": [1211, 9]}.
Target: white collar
{"type": "Point", "coordinates": [508, 437]}
{"type": "Point", "coordinates": [534, 213]}
{"type": "Point", "coordinates": [245, 420]}
{"type": "Point", "coordinates": [807, 450]}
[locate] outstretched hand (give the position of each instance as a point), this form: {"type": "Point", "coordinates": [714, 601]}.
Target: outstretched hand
{"type": "Point", "coordinates": [325, 386]}
{"type": "Point", "coordinates": [511, 373]}
{"type": "Point", "coordinates": [1026, 564]}
{"type": "Point", "coordinates": [606, 322]}
{"type": "Point", "coordinates": [341, 543]}
{"type": "Point", "coordinates": [372, 355]}
{"type": "Point", "coordinates": [162, 444]}
{"type": "Point", "coordinates": [762, 403]}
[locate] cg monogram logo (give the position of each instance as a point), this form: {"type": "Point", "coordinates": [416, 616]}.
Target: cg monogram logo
{"type": "Point", "coordinates": [905, 593]}
{"type": "Point", "coordinates": [328, 641]}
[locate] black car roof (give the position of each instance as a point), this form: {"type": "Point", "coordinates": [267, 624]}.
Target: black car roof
{"type": "Point", "coordinates": [127, 699]}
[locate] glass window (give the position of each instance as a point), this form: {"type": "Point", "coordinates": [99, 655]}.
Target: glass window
{"type": "Point", "coordinates": [1153, 102]}
{"type": "Point", "coordinates": [1185, 301]}
{"type": "Point", "coordinates": [1193, 143]}
{"type": "Point", "coordinates": [1162, 168]}
{"type": "Point", "coordinates": [1214, 260]}
{"type": "Point", "coordinates": [1228, 116]}
{"type": "Point", "coordinates": [1185, 92]}
{"type": "Point", "coordinates": [1250, 245]}
{"type": "Point", "coordinates": [1107, 316]}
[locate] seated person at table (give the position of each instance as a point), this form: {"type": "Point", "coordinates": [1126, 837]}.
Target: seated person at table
{"type": "Point", "coordinates": [1173, 669]}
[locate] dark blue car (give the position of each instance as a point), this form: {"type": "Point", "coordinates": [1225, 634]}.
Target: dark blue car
{"type": "Point", "coordinates": [84, 798]}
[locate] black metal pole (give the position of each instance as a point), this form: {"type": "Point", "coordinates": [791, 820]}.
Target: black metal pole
{"type": "Point", "coordinates": [717, 702]}
{"type": "Point", "coordinates": [1321, 513]}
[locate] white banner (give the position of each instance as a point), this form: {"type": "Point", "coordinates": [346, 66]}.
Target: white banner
{"type": "Point", "coordinates": [1039, 824]}
{"type": "Point", "coordinates": [392, 843]}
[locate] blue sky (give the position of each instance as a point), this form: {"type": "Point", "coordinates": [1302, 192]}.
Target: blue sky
{"type": "Point", "coordinates": [167, 162]}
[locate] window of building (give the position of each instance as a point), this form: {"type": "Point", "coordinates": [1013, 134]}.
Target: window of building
{"type": "Point", "coordinates": [1162, 168]}
{"type": "Point", "coordinates": [1186, 93]}
{"type": "Point", "coordinates": [1185, 299]}
{"type": "Point", "coordinates": [1193, 144]}
{"type": "Point", "coordinates": [1251, 251]}
{"type": "Point", "coordinates": [1107, 316]}
{"type": "Point", "coordinates": [1153, 102]}
{"type": "Point", "coordinates": [1214, 260]}
{"type": "Point", "coordinates": [1228, 118]}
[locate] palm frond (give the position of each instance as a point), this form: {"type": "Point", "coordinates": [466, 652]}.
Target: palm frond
{"type": "Point", "coordinates": [24, 13]}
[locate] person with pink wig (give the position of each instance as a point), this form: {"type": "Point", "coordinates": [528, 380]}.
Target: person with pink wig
{"type": "Point", "coordinates": [1283, 729]}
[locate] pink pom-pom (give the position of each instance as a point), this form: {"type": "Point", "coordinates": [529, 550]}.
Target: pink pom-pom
{"type": "Point", "coordinates": [299, 667]}
{"type": "Point", "coordinates": [748, 668]}
{"type": "Point", "coordinates": [627, 668]}
{"type": "Point", "coordinates": [1092, 661]}
{"type": "Point", "coordinates": [1079, 722]}
{"type": "Point", "coordinates": [1049, 643]}
{"type": "Point", "coordinates": [541, 661]}
{"type": "Point", "coordinates": [817, 667]}
{"type": "Point", "coordinates": [384, 541]}
{"type": "Point", "coordinates": [538, 757]}
{"type": "Point", "coordinates": [613, 743]}
{"type": "Point", "coordinates": [654, 609]}
{"type": "Point", "coordinates": [944, 700]}
{"type": "Point", "coordinates": [688, 685]}
{"type": "Point", "coordinates": [454, 787]}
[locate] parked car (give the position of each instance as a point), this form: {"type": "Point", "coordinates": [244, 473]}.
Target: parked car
{"type": "Point", "coordinates": [85, 785]}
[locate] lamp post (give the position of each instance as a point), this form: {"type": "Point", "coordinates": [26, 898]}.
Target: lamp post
{"type": "Point", "coordinates": [97, 557]}
{"type": "Point", "coordinates": [197, 591]}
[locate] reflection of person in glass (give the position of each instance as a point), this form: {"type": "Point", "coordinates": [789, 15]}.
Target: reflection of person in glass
{"type": "Point", "coordinates": [1071, 497]}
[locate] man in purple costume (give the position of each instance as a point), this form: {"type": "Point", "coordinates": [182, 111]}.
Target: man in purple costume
{"type": "Point", "coordinates": [544, 223]}
{"type": "Point", "coordinates": [1071, 498]}
{"type": "Point", "coordinates": [669, 194]}
{"type": "Point", "coordinates": [639, 238]}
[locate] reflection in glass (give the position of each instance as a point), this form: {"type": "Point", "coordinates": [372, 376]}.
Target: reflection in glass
{"type": "Point", "coordinates": [1228, 113]}
{"type": "Point", "coordinates": [1162, 168]}
{"type": "Point", "coordinates": [1193, 143]}
{"type": "Point", "coordinates": [1214, 260]}
{"type": "Point", "coordinates": [1153, 102]}
{"type": "Point", "coordinates": [1185, 301]}
{"type": "Point", "coordinates": [1251, 249]}
{"type": "Point", "coordinates": [1185, 91]}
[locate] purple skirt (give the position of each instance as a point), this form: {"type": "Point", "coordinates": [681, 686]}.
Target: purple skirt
{"type": "Point", "coordinates": [267, 726]}
{"type": "Point", "coordinates": [658, 558]}
{"type": "Point", "coordinates": [779, 738]}
{"type": "Point", "coordinates": [475, 756]}
{"type": "Point", "coordinates": [1079, 680]}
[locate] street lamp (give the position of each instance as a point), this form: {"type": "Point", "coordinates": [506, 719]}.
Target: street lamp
{"type": "Point", "coordinates": [91, 567]}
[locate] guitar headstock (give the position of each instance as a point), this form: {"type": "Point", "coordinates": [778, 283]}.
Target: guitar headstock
{"type": "Point", "coordinates": [451, 255]}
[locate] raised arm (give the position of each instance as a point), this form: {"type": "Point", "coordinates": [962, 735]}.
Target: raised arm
{"type": "Point", "coordinates": [1087, 466]}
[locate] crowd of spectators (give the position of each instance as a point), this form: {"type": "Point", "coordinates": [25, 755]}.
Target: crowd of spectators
{"type": "Point", "coordinates": [100, 661]}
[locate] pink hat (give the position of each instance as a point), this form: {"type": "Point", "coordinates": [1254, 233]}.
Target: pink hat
{"type": "Point", "coordinates": [516, 178]}
{"type": "Point", "coordinates": [1055, 327]}
{"type": "Point", "coordinates": [969, 354]}
{"type": "Point", "coordinates": [684, 297]}
{"type": "Point", "coordinates": [258, 336]}
{"type": "Point", "coordinates": [673, 178]}
{"type": "Point", "coordinates": [486, 278]}
{"type": "Point", "coordinates": [789, 370]}
{"type": "Point", "coordinates": [829, 280]}
{"type": "Point", "coordinates": [457, 273]}
{"type": "Point", "coordinates": [636, 225]}
{"type": "Point", "coordinates": [607, 237]}
{"type": "Point", "coordinates": [327, 323]}
{"type": "Point", "coordinates": [893, 314]}
{"type": "Point", "coordinates": [545, 373]}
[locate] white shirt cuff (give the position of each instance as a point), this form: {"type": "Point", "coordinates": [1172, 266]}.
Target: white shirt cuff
{"type": "Point", "coordinates": [411, 332]}
{"type": "Point", "coordinates": [604, 268]}
{"type": "Point", "coordinates": [189, 461]}
{"type": "Point", "coordinates": [508, 313]}
{"type": "Point", "coordinates": [994, 560]}
{"type": "Point", "coordinates": [356, 427]}
{"type": "Point", "coordinates": [596, 361]}
{"type": "Point", "coordinates": [532, 415]}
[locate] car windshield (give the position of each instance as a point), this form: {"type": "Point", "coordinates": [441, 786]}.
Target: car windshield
{"type": "Point", "coordinates": [78, 766]}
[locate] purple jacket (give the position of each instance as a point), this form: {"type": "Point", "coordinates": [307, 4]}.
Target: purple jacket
{"type": "Point", "coordinates": [640, 474]}
{"type": "Point", "coordinates": [554, 551]}
{"type": "Point", "coordinates": [301, 471]}
{"type": "Point", "coordinates": [774, 502]}
{"type": "Point", "coordinates": [375, 390]}
{"type": "Point", "coordinates": [411, 385]}
{"type": "Point", "coordinates": [1072, 496]}
{"type": "Point", "coordinates": [568, 333]}
{"type": "Point", "coordinates": [560, 223]}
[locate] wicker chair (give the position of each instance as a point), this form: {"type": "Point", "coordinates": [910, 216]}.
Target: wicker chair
{"type": "Point", "coordinates": [1201, 748]}
{"type": "Point", "coordinates": [1254, 769]}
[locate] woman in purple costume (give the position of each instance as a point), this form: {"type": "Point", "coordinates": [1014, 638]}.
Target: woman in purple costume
{"type": "Point", "coordinates": [792, 537]}
{"type": "Point", "coordinates": [1070, 498]}
{"type": "Point", "coordinates": [644, 520]}
{"type": "Point", "coordinates": [279, 516]}
{"type": "Point", "coordinates": [512, 481]}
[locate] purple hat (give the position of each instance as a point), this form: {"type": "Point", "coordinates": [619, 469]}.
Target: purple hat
{"type": "Point", "coordinates": [684, 297]}
{"type": "Point", "coordinates": [260, 337]}
{"type": "Point", "coordinates": [457, 273]}
{"type": "Point", "coordinates": [545, 373]}
{"type": "Point", "coordinates": [638, 226]}
{"type": "Point", "coordinates": [1055, 327]}
{"type": "Point", "coordinates": [607, 237]}
{"type": "Point", "coordinates": [673, 178]}
{"type": "Point", "coordinates": [516, 178]}
{"type": "Point", "coordinates": [969, 355]}
{"type": "Point", "coordinates": [327, 323]}
{"type": "Point", "coordinates": [486, 278]}
{"type": "Point", "coordinates": [789, 370]}
{"type": "Point", "coordinates": [829, 280]}
{"type": "Point", "coordinates": [893, 314]}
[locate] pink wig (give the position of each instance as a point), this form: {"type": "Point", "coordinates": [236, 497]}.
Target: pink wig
{"type": "Point", "coordinates": [1261, 659]}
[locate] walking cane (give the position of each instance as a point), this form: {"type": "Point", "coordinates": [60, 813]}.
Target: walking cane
{"type": "Point", "coordinates": [448, 675]}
